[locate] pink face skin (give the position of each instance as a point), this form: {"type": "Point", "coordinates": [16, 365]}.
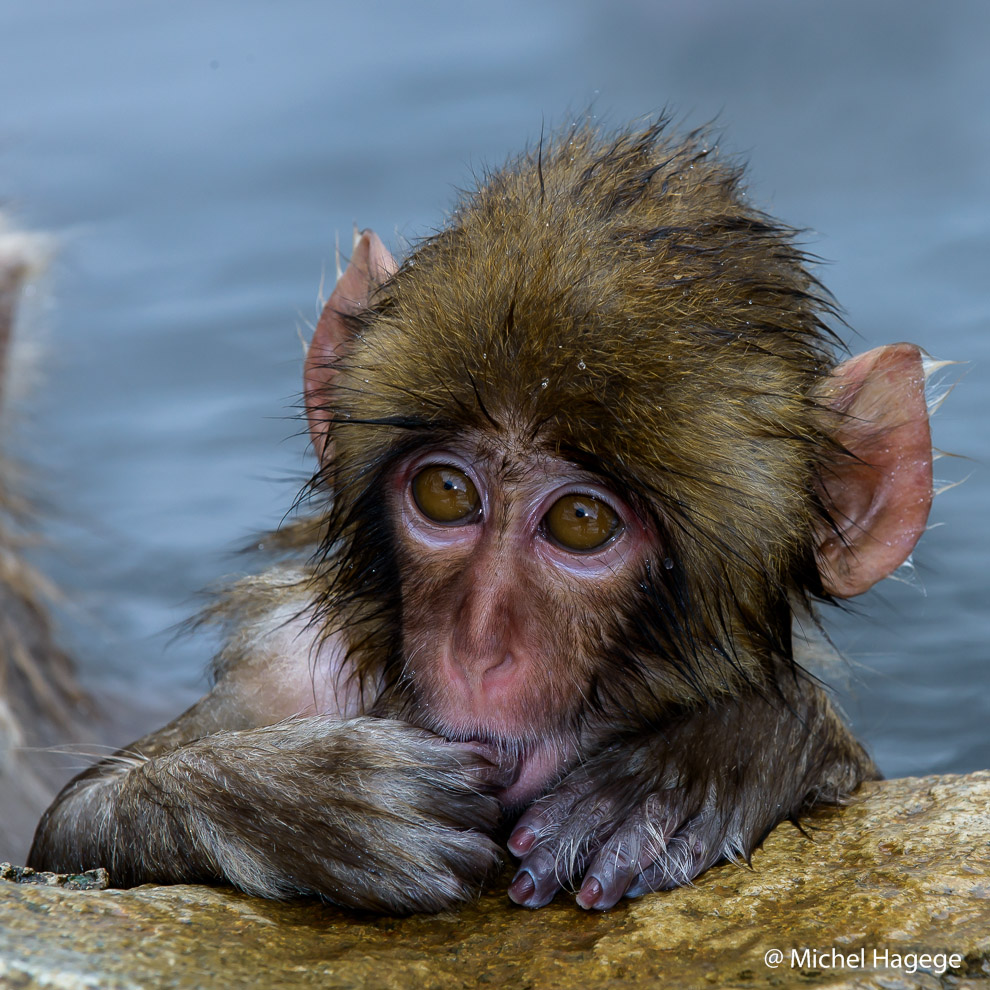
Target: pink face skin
{"type": "Point", "coordinates": [501, 621]}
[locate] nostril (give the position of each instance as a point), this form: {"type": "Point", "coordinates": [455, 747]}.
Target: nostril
{"type": "Point", "coordinates": [497, 671]}
{"type": "Point", "coordinates": [480, 668]}
{"type": "Point", "coordinates": [497, 663]}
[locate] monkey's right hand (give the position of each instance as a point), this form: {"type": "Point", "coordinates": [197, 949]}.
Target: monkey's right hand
{"type": "Point", "coordinates": [368, 813]}
{"type": "Point", "coordinates": [653, 810]}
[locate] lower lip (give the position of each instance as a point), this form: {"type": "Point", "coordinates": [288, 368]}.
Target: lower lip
{"type": "Point", "coordinates": [537, 769]}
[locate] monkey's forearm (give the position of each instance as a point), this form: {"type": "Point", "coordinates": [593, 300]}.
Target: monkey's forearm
{"type": "Point", "coordinates": [367, 813]}
{"type": "Point", "coordinates": [118, 814]}
{"type": "Point", "coordinates": [113, 816]}
{"type": "Point", "coordinates": [773, 754]}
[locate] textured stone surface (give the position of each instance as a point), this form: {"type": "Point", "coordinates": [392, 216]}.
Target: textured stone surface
{"type": "Point", "coordinates": [90, 880]}
{"type": "Point", "coordinates": [906, 869]}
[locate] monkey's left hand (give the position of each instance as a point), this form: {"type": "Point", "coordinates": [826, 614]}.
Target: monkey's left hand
{"type": "Point", "coordinates": [654, 811]}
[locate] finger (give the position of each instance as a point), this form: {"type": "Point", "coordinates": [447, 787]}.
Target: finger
{"type": "Point", "coordinates": [615, 866]}
{"type": "Point", "coordinates": [635, 847]}
{"type": "Point", "coordinates": [489, 769]}
{"type": "Point", "coordinates": [541, 820]}
{"type": "Point", "coordinates": [686, 857]}
{"type": "Point", "coordinates": [537, 881]}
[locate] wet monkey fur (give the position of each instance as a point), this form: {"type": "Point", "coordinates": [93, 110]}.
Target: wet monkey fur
{"type": "Point", "coordinates": [582, 456]}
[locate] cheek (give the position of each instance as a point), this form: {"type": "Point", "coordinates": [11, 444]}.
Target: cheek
{"type": "Point", "coordinates": [430, 581]}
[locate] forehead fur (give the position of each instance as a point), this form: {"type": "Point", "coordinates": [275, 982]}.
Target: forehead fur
{"type": "Point", "coordinates": [618, 301]}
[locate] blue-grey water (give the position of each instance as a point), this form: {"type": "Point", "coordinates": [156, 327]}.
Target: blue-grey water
{"type": "Point", "coordinates": [196, 161]}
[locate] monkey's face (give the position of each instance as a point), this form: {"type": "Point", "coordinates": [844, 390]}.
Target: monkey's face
{"type": "Point", "coordinates": [511, 564]}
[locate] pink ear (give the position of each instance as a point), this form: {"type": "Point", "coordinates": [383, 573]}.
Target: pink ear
{"type": "Point", "coordinates": [879, 498]}
{"type": "Point", "coordinates": [370, 266]}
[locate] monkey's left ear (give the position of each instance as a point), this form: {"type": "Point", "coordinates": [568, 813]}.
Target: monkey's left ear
{"type": "Point", "coordinates": [880, 496]}
{"type": "Point", "coordinates": [370, 266]}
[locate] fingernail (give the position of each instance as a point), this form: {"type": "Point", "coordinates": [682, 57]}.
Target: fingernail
{"type": "Point", "coordinates": [522, 887]}
{"type": "Point", "coordinates": [521, 840]}
{"type": "Point", "coordinates": [589, 893]}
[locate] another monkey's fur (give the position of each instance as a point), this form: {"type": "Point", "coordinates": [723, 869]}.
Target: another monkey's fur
{"type": "Point", "coordinates": [40, 698]}
{"type": "Point", "coordinates": [606, 314]}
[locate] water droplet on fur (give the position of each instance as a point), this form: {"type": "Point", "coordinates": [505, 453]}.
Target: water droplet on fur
{"type": "Point", "coordinates": [668, 563]}
{"type": "Point", "coordinates": [581, 365]}
{"type": "Point", "coordinates": [545, 383]}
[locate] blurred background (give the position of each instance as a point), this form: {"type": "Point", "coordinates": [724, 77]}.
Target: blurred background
{"type": "Point", "coordinates": [197, 160]}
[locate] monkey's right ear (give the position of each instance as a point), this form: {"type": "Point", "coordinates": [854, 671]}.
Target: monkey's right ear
{"type": "Point", "coordinates": [370, 266]}
{"type": "Point", "coordinates": [879, 494]}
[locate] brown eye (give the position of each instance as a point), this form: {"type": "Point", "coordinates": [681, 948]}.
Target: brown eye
{"type": "Point", "coordinates": [444, 494]}
{"type": "Point", "coordinates": [581, 523]}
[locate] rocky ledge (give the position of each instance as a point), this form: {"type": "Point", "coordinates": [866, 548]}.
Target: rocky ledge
{"type": "Point", "coordinates": [890, 892]}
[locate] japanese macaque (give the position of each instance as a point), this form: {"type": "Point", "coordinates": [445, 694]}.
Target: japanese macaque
{"type": "Point", "coordinates": [582, 455]}
{"type": "Point", "coordinates": [39, 696]}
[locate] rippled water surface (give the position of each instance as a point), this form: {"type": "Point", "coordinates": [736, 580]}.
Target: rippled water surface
{"type": "Point", "coordinates": [196, 162]}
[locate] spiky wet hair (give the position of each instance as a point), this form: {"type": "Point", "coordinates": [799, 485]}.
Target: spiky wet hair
{"type": "Point", "coordinates": [617, 301]}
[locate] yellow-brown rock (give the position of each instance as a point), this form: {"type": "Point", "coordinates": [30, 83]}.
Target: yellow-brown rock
{"type": "Point", "coordinates": [901, 874]}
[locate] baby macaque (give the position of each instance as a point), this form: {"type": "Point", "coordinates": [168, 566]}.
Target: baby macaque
{"type": "Point", "coordinates": [581, 456]}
